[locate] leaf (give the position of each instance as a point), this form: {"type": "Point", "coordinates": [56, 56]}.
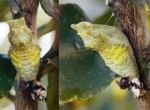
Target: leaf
{"type": "Point", "coordinates": [52, 55]}
{"type": "Point", "coordinates": [70, 14]}
{"type": "Point", "coordinates": [83, 73]}
{"type": "Point", "coordinates": [48, 6]}
{"type": "Point", "coordinates": [7, 75]}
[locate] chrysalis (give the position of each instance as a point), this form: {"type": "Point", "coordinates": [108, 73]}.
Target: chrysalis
{"type": "Point", "coordinates": [115, 50]}
{"type": "Point", "coordinates": [111, 44]}
{"type": "Point", "coordinates": [24, 51]}
{"type": "Point", "coordinates": [25, 56]}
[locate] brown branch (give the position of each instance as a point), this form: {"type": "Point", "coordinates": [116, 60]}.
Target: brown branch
{"type": "Point", "coordinates": [145, 102]}
{"type": "Point", "coordinates": [25, 102]}
{"type": "Point", "coordinates": [131, 21]}
{"type": "Point", "coordinates": [43, 64]}
{"type": "Point", "coordinates": [29, 11]}
{"type": "Point", "coordinates": [55, 60]}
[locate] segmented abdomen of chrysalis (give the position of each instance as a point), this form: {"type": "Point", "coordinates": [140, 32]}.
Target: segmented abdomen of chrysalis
{"type": "Point", "coordinates": [112, 45]}
{"type": "Point", "coordinates": [24, 52]}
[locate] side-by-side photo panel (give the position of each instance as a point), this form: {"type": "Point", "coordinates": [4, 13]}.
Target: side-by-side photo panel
{"type": "Point", "coordinates": [29, 55]}
{"type": "Point", "coordinates": [103, 55]}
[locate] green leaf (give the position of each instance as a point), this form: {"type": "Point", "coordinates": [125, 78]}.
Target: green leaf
{"type": "Point", "coordinates": [48, 6]}
{"type": "Point", "coordinates": [70, 14]}
{"type": "Point", "coordinates": [83, 72]}
{"type": "Point", "coordinates": [7, 75]}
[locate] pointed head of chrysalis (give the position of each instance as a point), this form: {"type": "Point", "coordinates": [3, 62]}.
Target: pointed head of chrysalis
{"type": "Point", "coordinates": [20, 34]}
{"type": "Point", "coordinates": [85, 31]}
{"type": "Point", "coordinates": [96, 36]}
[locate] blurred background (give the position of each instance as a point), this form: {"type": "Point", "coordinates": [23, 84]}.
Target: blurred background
{"type": "Point", "coordinates": [112, 98]}
{"type": "Point", "coordinates": [45, 36]}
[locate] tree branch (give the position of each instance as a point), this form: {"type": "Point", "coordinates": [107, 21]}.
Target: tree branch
{"type": "Point", "coordinates": [29, 11]}
{"type": "Point", "coordinates": [25, 102]}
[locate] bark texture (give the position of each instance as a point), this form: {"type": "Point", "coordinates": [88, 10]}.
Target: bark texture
{"type": "Point", "coordinates": [25, 102]}
{"type": "Point", "coordinates": [29, 11]}
{"type": "Point", "coordinates": [145, 102]}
